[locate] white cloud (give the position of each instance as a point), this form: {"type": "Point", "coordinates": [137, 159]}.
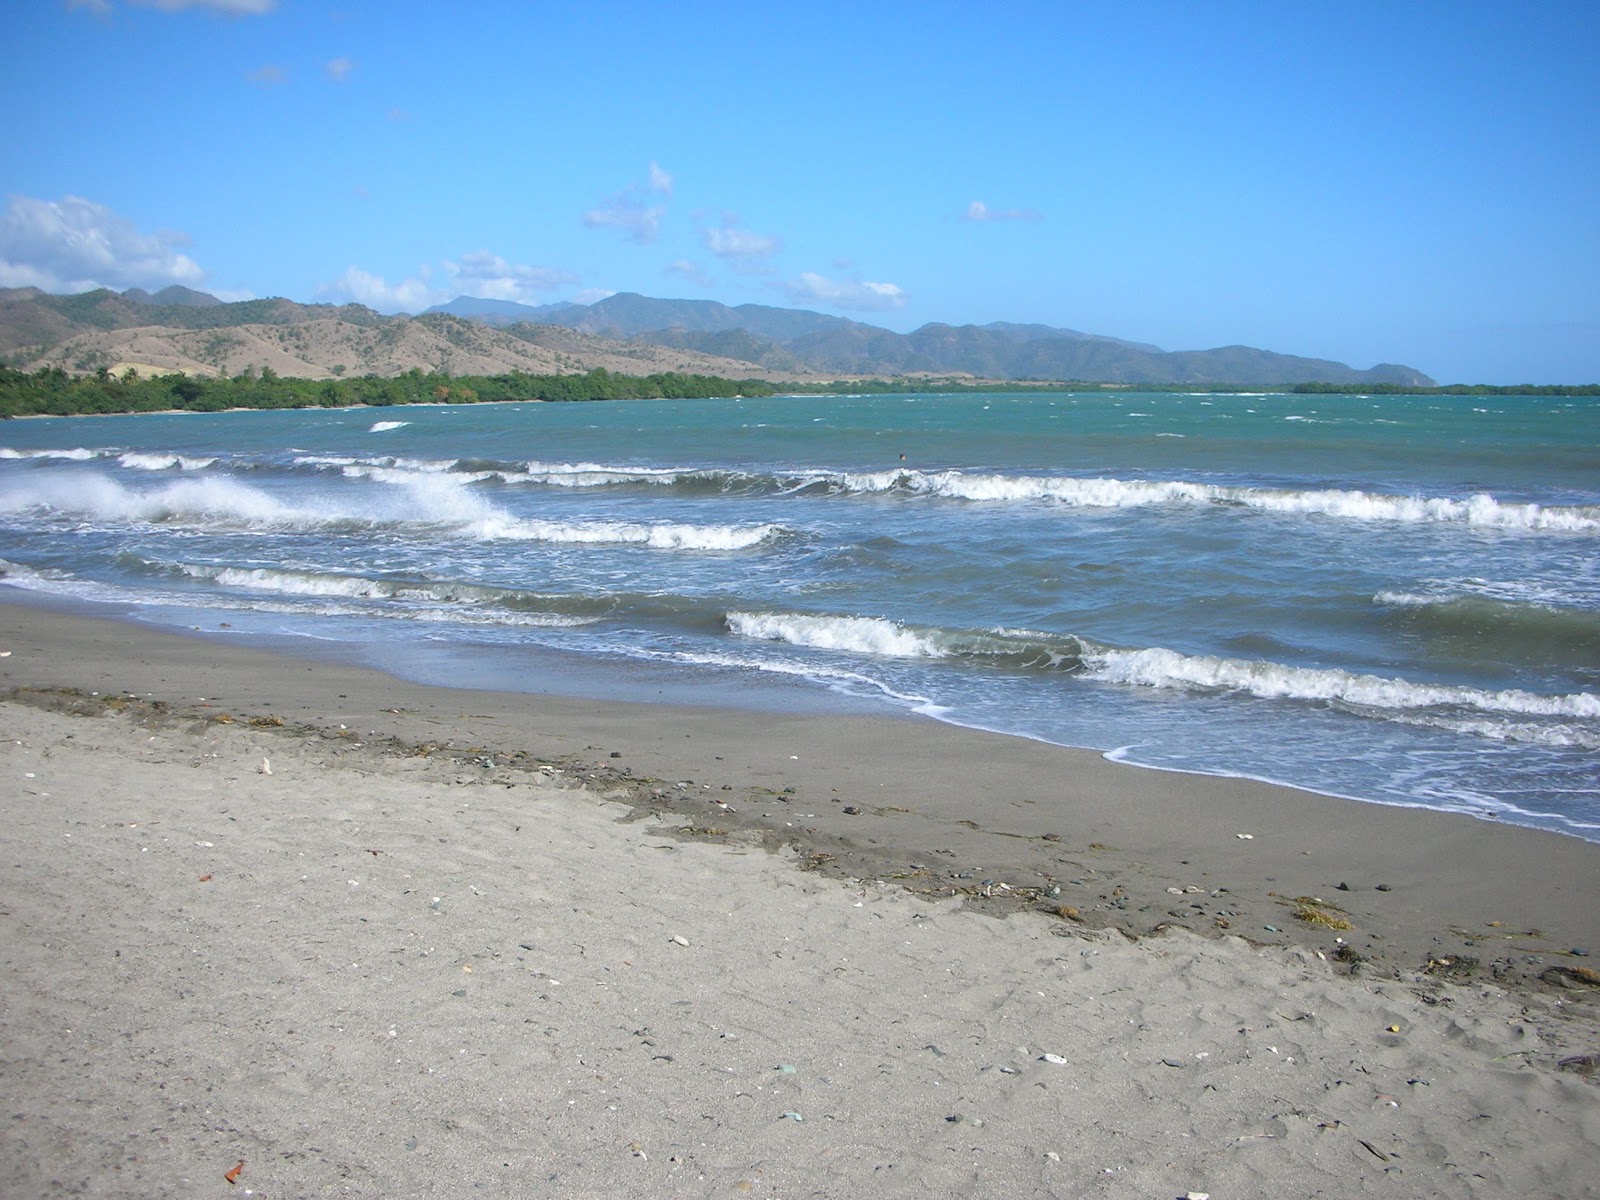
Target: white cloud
{"type": "Point", "coordinates": [590, 295]}
{"type": "Point", "coordinates": [477, 273]}
{"type": "Point", "coordinates": [979, 211]}
{"type": "Point", "coordinates": [747, 250]}
{"type": "Point", "coordinates": [339, 69]}
{"type": "Point", "coordinates": [850, 294]}
{"type": "Point", "coordinates": [267, 75]}
{"type": "Point", "coordinates": [407, 295]}
{"type": "Point", "coordinates": [631, 211]}
{"type": "Point", "coordinates": [641, 222]}
{"type": "Point", "coordinates": [685, 269]}
{"type": "Point", "coordinates": [76, 245]}
{"type": "Point", "coordinates": [490, 277]}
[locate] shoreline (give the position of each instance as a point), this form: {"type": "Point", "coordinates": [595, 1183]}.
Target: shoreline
{"type": "Point", "coordinates": [276, 926]}
{"type": "Point", "coordinates": [1007, 823]}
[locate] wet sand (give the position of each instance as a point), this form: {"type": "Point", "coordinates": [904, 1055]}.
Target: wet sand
{"type": "Point", "coordinates": [544, 946]}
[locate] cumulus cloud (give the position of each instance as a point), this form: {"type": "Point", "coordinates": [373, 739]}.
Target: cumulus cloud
{"type": "Point", "coordinates": [477, 273]}
{"type": "Point", "coordinates": [76, 245]}
{"type": "Point", "coordinates": [979, 211]}
{"type": "Point", "coordinates": [854, 295]}
{"type": "Point", "coordinates": [685, 269]}
{"type": "Point", "coordinates": [490, 277]}
{"type": "Point", "coordinates": [632, 211]}
{"type": "Point", "coordinates": [267, 75]}
{"type": "Point", "coordinates": [363, 287]}
{"type": "Point", "coordinates": [338, 69]}
{"type": "Point", "coordinates": [747, 250]}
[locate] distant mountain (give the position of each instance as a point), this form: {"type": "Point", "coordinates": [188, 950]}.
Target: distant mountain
{"type": "Point", "coordinates": [181, 329]}
{"type": "Point", "coordinates": [787, 339]}
{"type": "Point", "coordinates": [178, 330]}
{"type": "Point", "coordinates": [175, 294]}
{"type": "Point", "coordinates": [502, 312]}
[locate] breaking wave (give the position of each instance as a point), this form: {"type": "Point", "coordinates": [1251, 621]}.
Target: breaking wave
{"type": "Point", "coordinates": [1571, 720]}
{"type": "Point", "coordinates": [421, 505]}
{"type": "Point", "coordinates": [1480, 510]}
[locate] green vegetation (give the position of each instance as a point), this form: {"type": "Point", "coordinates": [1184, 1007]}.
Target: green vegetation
{"type": "Point", "coordinates": [54, 392]}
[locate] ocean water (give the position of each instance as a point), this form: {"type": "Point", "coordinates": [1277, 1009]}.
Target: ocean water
{"type": "Point", "coordinates": [1391, 598]}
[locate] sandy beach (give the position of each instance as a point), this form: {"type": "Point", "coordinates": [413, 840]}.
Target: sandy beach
{"type": "Point", "coordinates": [282, 927]}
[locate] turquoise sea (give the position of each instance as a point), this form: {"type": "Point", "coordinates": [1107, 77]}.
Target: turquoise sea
{"type": "Point", "coordinates": [1392, 598]}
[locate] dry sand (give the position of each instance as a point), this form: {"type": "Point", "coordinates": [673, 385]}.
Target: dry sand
{"type": "Point", "coordinates": [371, 938]}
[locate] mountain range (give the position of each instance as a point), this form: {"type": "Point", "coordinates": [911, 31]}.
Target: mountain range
{"type": "Point", "coordinates": [181, 329]}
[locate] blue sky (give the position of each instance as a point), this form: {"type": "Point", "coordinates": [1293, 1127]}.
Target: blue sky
{"type": "Point", "coordinates": [1400, 182]}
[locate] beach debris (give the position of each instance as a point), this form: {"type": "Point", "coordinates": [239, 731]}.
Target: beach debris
{"type": "Point", "coordinates": [1314, 910]}
{"type": "Point", "coordinates": [785, 1068]}
{"type": "Point", "coordinates": [265, 768]}
{"type": "Point", "coordinates": [1245, 837]}
{"type": "Point", "coordinates": [233, 1175]}
{"type": "Point", "coordinates": [205, 879]}
{"type": "Point", "coordinates": [1567, 977]}
{"type": "Point", "coordinates": [1053, 1058]}
{"type": "Point", "coordinates": [680, 939]}
{"type": "Point", "coordinates": [791, 1116]}
{"type": "Point", "coordinates": [1197, 1196]}
{"type": "Point", "coordinates": [1586, 1065]}
{"type": "Point", "coordinates": [1371, 1149]}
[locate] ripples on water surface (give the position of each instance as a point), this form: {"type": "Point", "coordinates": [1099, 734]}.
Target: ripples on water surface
{"type": "Point", "coordinates": [1393, 598]}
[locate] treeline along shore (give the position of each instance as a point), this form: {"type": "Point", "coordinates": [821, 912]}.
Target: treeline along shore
{"type": "Point", "coordinates": [55, 392]}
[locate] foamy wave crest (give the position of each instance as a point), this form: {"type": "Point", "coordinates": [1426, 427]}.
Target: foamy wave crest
{"type": "Point", "coordinates": [862, 635]}
{"type": "Point", "coordinates": [501, 604]}
{"type": "Point", "coordinates": [1010, 648]}
{"type": "Point", "coordinates": [76, 455]}
{"type": "Point", "coordinates": [385, 426]}
{"type": "Point", "coordinates": [1162, 668]}
{"type": "Point", "coordinates": [428, 502]}
{"type": "Point", "coordinates": [356, 466]}
{"type": "Point", "coordinates": [587, 474]}
{"type": "Point", "coordinates": [1573, 592]}
{"type": "Point", "coordinates": [1479, 510]}
{"type": "Point", "coordinates": [657, 537]}
{"type": "Point", "coordinates": [97, 498]}
{"type": "Point", "coordinates": [1559, 735]}
{"type": "Point", "coordinates": [163, 462]}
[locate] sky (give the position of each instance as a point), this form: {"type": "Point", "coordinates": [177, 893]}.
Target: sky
{"type": "Point", "coordinates": [1403, 182]}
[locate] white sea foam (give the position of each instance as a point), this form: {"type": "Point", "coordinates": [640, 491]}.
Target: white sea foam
{"type": "Point", "coordinates": [422, 502]}
{"type": "Point", "coordinates": [78, 454]}
{"type": "Point", "coordinates": [657, 537]}
{"type": "Point", "coordinates": [1478, 510]}
{"type": "Point", "coordinates": [862, 635]}
{"type": "Point", "coordinates": [163, 462]}
{"type": "Point", "coordinates": [385, 426]}
{"type": "Point", "coordinates": [1574, 593]}
{"type": "Point", "coordinates": [430, 601]}
{"type": "Point", "coordinates": [1162, 668]}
